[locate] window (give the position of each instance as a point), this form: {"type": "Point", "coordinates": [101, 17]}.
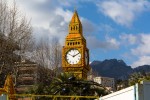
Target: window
{"type": "Point", "coordinates": [76, 27]}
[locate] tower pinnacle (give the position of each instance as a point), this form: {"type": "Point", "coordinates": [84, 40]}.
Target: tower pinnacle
{"type": "Point", "coordinates": [75, 25]}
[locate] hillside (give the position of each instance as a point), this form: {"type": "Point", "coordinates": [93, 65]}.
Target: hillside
{"type": "Point", "coordinates": [144, 68]}
{"type": "Point", "coordinates": [112, 68]}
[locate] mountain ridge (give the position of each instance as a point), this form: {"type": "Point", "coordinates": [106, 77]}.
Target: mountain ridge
{"type": "Point", "coordinates": [117, 69]}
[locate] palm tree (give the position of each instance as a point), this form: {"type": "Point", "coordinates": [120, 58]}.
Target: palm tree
{"type": "Point", "coordinates": [61, 85]}
{"type": "Point", "coordinates": [67, 84]}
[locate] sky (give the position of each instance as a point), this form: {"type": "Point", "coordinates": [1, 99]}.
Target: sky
{"type": "Point", "coordinates": [117, 29]}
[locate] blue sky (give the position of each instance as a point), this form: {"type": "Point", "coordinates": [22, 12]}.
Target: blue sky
{"type": "Point", "coordinates": [113, 28]}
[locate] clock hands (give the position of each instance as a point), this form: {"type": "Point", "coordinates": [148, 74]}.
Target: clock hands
{"type": "Point", "coordinates": [75, 55]}
{"type": "Point", "coordinates": [70, 54]}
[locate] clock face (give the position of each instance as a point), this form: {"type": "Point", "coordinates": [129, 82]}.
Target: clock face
{"type": "Point", "coordinates": [86, 58]}
{"type": "Point", "coordinates": [73, 56]}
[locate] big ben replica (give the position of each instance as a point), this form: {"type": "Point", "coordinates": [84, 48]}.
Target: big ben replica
{"type": "Point", "coordinates": [75, 54]}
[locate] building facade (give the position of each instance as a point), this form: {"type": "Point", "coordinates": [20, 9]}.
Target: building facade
{"type": "Point", "coordinates": [26, 76]}
{"type": "Point", "coordinates": [107, 82]}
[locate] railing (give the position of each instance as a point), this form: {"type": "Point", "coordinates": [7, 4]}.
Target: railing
{"type": "Point", "coordinates": [52, 97]}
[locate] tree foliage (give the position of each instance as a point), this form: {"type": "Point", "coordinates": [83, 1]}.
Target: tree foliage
{"type": "Point", "coordinates": [16, 41]}
{"type": "Point", "coordinates": [137, 77]}
{"type": "Point", "coordinates": [15, 38]}
{"type": "Point", "coordinates": [121, 84]}
{"type": "Point", "coordinates": [48, 54]}
{"type": "Point", "coordinates": [67, 84]}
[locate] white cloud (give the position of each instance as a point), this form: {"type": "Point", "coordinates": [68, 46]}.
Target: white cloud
{"type": "Point", "coordinates": [68, 3]}
{"type": "Point", "coordinates": [113, 43]}
{"type": "Point", "coordinates": [49, 19]}
{"type": "Point", "coordinates": [143, 48]}
{"type": "Point", "coordinates": [129, 38]}
{"type": "Point", "coordinates": [88, 27]}
{"type": "Point", "coordinates": [143, 60]}
{"type": "Point", "coordinates": [139, 47]}
{"type": "Point", "coordinates": [123, 12]}
{"type": "Point", "coordinates": [108, 44]}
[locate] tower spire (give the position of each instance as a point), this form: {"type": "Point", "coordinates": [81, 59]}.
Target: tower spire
{"type": "Point", "coordinates": [75, 25]}
{"type": "Point", "coordinates": [75, 18]}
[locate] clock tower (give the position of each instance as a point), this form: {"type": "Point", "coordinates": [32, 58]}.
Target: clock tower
{"type": "Point", "coordinates": [75, 54]}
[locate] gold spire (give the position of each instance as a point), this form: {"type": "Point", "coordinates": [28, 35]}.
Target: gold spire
{"type": "Point", "coordinates": [75, 18]}
{"type": "Point", "coordinates": [75, 25]}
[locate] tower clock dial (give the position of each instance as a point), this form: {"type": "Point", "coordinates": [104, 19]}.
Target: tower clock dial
{"type": "Point", "coordinates": [73, 56]}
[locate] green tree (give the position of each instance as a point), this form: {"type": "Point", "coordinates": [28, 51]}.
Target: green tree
{"type": "Point", "coordinates": [121, 84]}
{"type": "Point", "coordinates": [138, 77]}
{"type": "Point", "coordinates": [38, 89]}
{"type": "Point", "coordinates": [67, 84]}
